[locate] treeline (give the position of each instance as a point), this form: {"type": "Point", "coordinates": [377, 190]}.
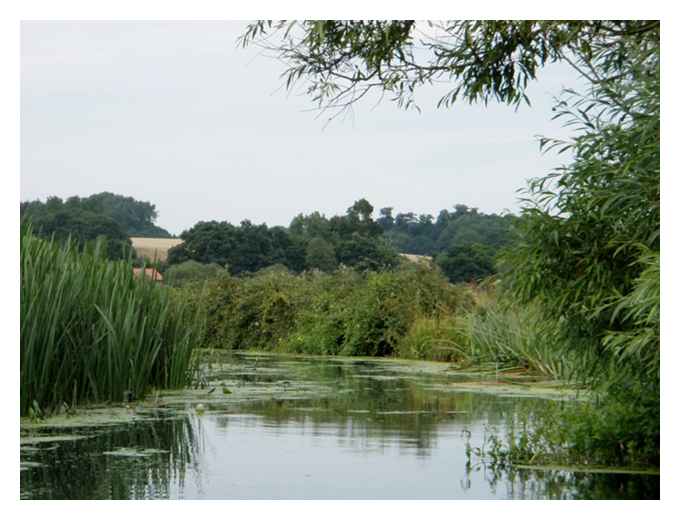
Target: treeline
{"type": "Point", "coordinates": [112, 217]}
{"type": "Point", "coordinates": [311, 242]}
{"type": "Point", "coordinates": [464, 226]}
{"type": "Point", "coordinates": [464, 243]}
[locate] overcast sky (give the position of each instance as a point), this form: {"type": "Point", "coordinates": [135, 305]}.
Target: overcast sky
{"type": "Point", "coordinates": [176, 114]}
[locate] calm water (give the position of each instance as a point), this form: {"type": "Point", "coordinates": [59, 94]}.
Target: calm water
{"type": "Point", "coordinates": [317, 429]}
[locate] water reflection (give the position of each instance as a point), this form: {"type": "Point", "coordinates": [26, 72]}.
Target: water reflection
{"type": "Point", "coordinates": [562, 485]}
{"type": "Point", "coordinates": [329, 429]}
{"type": "Point", "coordinates": [87, 469]}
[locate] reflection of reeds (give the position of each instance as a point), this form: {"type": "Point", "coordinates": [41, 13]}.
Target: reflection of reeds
{"type": "Point", "coordinates": [90, 331]}
{"type": "Point", "coordinates": [80, 470]}
{"type": "Point", "coordinates": [558, 484]}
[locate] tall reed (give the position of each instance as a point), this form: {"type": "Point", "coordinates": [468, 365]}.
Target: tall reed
{"type": "Point", "coordinates": [512, 335]}
{"type": "Point", "coordinates": [90, 331]}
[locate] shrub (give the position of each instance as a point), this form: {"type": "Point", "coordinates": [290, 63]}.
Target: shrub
{"type": "Point", "coordinates": [191, 272]}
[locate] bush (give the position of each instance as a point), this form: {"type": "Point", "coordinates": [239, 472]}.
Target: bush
{"type": "Point", "coordinates": [191, 272]}
{"type": "Point", "coordinates": [346, 312]}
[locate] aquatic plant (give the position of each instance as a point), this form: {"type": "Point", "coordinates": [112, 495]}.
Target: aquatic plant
{"type": "Point", "coordinates": [91, 331]}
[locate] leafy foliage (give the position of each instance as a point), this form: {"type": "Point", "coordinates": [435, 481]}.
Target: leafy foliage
{"type": "Point", "coordinates": [191, 272]}
{"type": "Point", "coordinates": [467, 263]}
{"type": "Point", "coordinates": [61, 221]}
{"type": "Point", "coordinates": [462, 227]}
{"type": "Point", "coordinates": [341, 61]}
{"type": "Point", "coordinates": [593, 225]}
{"type": "Point", "coordinates": [311, 242]}
{"type": "Point", "coordinates": [346, 312]}
{"type": "Point", "coordinates": [133, 217]}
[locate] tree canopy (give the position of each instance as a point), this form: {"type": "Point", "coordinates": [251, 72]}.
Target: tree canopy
{"type": "Point", "coordinates": [59, 220]}
{"type": "Point", "coordinates": [311, 242]}
{"type": "Point", "coordinates": [341, 61]}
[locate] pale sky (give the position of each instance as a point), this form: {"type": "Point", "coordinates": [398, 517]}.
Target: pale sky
{"type": "Point", "coordinates": [176, 114]}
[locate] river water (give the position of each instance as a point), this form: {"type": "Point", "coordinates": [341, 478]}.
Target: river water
{"type": "Point", "coordinates": [277, 427]}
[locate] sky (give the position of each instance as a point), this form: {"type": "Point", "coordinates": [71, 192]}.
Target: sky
{"type": "Point", "coordinates": [175, 113]}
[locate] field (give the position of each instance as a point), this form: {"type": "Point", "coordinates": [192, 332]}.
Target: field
{"type": "Point", "coordinates": [154, 248]}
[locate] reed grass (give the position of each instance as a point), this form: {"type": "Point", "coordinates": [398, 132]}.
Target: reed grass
{"type": "Point", "coordinates": [512, 336]}
{"type": "Point", "coordinates": [493, 332]}
{"type": "Point", "coordinates": [90, 331]}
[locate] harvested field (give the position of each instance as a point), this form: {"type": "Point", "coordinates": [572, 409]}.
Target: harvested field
{"type": "Point", "coordinates": [154, 248]}
{"type": "Point", "coordinates": [417, 259]}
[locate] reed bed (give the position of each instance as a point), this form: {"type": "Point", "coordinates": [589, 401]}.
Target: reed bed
{"type": "Point", "coordinates": [492, 331]}
{"type": "Point", "coordinates": [91, 332]}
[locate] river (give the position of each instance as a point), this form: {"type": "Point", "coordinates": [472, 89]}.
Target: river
{"type": "Point", "coordinates": [277, 427]}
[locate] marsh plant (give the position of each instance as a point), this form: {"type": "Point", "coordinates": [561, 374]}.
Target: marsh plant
{"type": "Point", "coordinates": [91, 331]}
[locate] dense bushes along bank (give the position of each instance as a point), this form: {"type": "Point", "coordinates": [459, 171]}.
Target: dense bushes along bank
{"type": "Point", "coordinates": [410, 312]}
{"type": "Point", "coordinates": [90, 331]}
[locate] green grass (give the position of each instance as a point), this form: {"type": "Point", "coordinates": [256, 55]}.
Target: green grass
{"type": "Point", "coordinates": [90, 331]}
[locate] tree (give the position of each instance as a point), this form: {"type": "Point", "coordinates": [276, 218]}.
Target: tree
{"type": "Point", "coordinates": [246, 248]}
{"type": "Point", "coordinates": [61, 221]}
{"type": "Point", "coordinates": [593, 229]}
{"type": "Point", "coordinates": [386, 220]}
{"type": "Point", "coordinates": [137, 218]}
{"type": "Point", "coordinates": [361, 209]}
{"type": "Point", "coordinates": [422, 235]}
{"type": "Point", "coordinates": [320, 255]}
{"type": "Point", "coordinates": [342, 61]}
{"type": "Point", "coordinates": [469, 263]}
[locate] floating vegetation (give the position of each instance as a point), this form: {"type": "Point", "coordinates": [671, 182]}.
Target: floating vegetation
{"type": "Point", "coordinates": [38, 439]}
{"type": "Point", "coordinates": [405, 412]}
{"type": "Point", "coordinates": [135, 452]}
{"type": "Point", "coordinates": [25, 464]}
{"type": "Point", "coordinates": [88, 416]}
{"type": "Point", "coordinates": [590, 469]}
{"type": "Point", "coordinates": [553, 391]}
